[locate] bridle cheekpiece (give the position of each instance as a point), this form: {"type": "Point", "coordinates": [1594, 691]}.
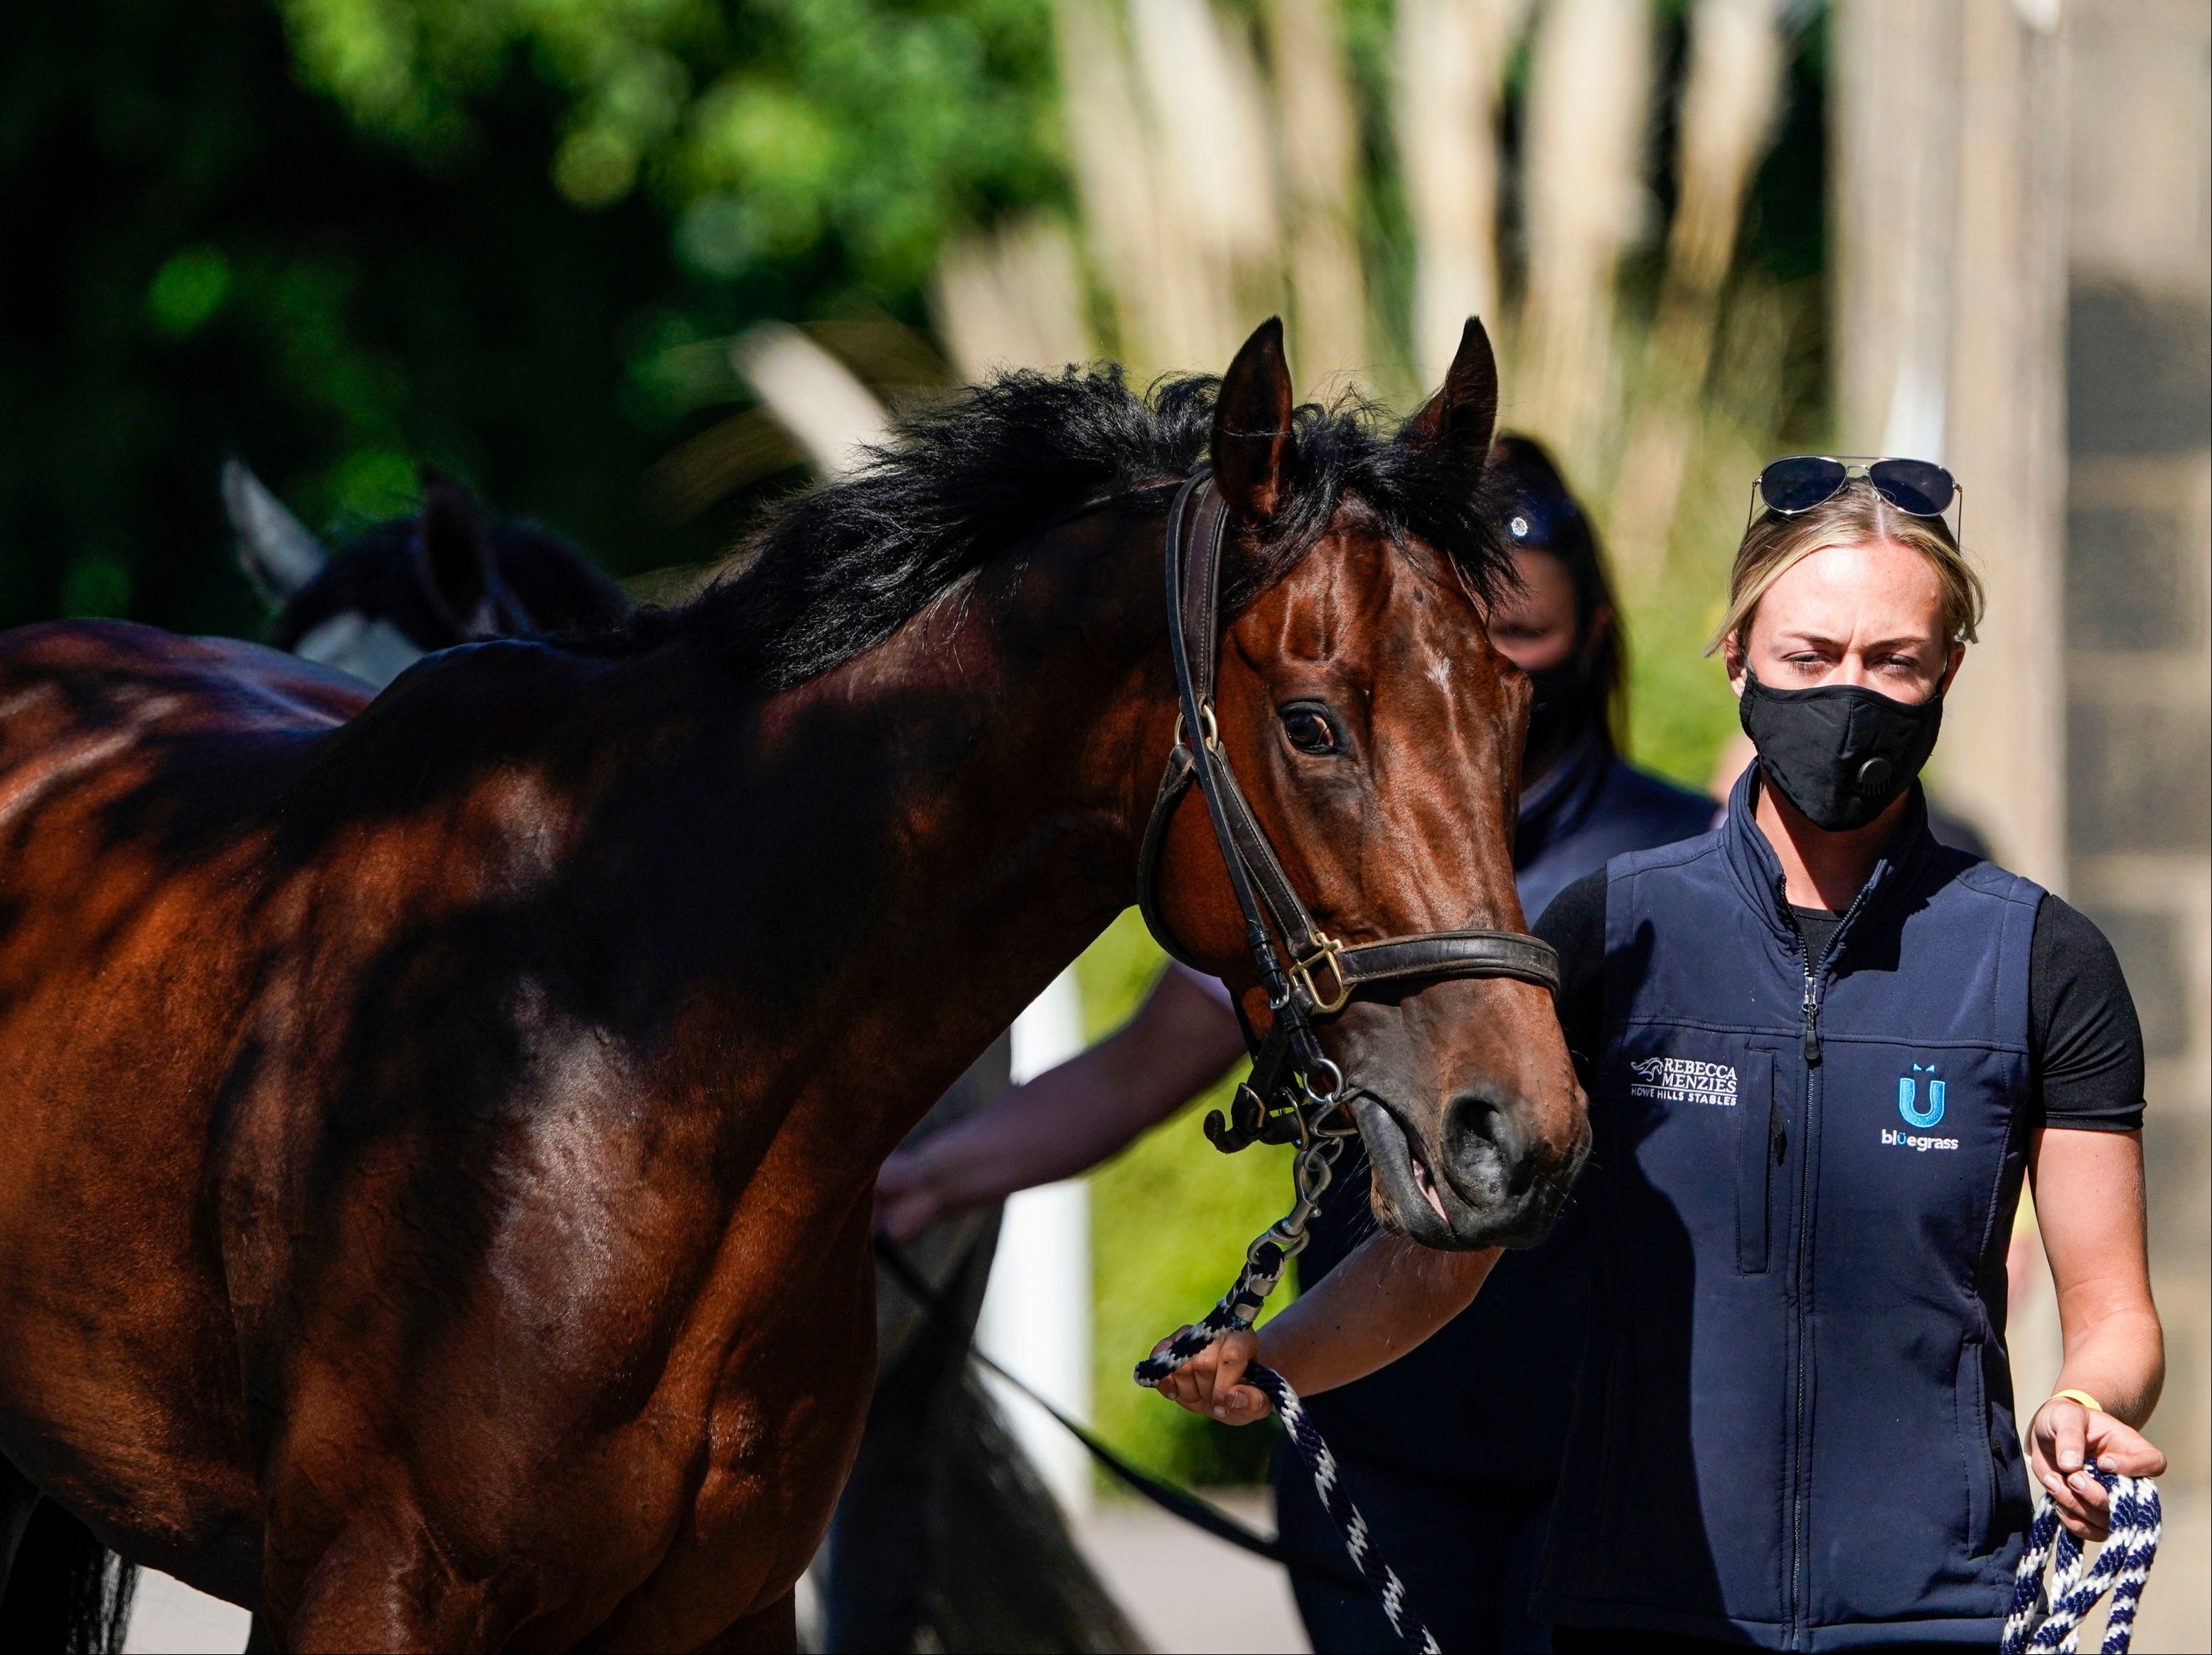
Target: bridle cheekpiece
{"type": "Point", "coordinates": [1294, 1090]}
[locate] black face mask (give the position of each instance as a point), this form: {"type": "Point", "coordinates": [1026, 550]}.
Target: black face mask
{"type": "Point", "coordinates": [1559, 709]}
{"type": "Point", "coordinates": [1839, 753]}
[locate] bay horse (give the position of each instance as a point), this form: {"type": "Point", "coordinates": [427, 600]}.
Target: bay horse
{"type": "Point", "coordinates": [442, 1136]}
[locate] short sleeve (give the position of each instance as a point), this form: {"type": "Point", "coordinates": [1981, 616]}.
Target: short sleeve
{"type": "Point", "coordinates": [2085, 1041]}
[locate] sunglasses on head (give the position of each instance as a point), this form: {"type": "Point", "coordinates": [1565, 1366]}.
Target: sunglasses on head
{"type": "Point", "coordinates": [1918, 488]}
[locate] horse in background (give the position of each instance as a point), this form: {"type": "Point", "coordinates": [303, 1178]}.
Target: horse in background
{"type": "Point", "coordinates": [407, 586]}
{"type": "Point", "coordinates": [444, 1135]}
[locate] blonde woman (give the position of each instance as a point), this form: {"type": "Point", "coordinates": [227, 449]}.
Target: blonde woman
{"type": "Point", "coordinates": [1823, 1052]}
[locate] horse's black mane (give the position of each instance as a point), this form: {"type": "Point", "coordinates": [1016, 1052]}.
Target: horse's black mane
{"type": "Point", "coordinates": [837, 569]}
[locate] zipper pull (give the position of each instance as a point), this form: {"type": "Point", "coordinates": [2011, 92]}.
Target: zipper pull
{"type": "Point", "coordinates": [1812, 1021]}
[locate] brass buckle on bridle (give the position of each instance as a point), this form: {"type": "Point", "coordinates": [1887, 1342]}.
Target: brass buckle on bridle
{"type": "Point", "coordinates": [1208, 728]}
{"type": "Point", "coordinates": [1331, 951]}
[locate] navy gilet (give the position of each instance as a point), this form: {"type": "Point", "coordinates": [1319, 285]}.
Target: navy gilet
{"type": "Point", "coordinates": [1488, 1396]}
{"type": "Point", "coordinates": [1794, 1422]}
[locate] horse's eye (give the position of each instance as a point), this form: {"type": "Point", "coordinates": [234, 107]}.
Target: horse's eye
{"type": "Point", "coordinates": [1310, 730]}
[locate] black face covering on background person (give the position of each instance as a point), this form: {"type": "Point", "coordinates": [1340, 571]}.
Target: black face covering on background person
{"type": "Point", "coordinates": [1839, 752]}
{"type": "Point", "coordinates": [1560, 707]}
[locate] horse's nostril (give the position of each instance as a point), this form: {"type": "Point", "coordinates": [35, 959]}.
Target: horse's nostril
{"type": "Point", "coordinates": [1487, 1154]}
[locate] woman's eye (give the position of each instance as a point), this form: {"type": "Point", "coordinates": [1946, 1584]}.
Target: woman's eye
{"type": "Point", "coordinates": [1309, 732]}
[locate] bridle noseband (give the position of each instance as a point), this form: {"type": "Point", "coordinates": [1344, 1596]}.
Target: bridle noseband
{"type": "Point", "coordinates": [1307, 973]}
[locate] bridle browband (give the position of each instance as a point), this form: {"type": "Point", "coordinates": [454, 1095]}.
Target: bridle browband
{"type": "Point", "coordinates": [1283, 1101]}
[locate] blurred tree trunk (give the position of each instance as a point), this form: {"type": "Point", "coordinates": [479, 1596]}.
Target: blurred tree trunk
{"type": "Point", "coordinates": [1318, 131]}
{"type": "Point", "coordinates": [1589, 94]}
{"type": "Point", "coordinates": [1450, 65]}
{"type": "Point", "coordinates": [1728, 112]}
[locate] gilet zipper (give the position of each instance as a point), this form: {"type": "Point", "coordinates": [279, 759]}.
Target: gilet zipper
{"type": "Point", "coordinates": [1816, 975]}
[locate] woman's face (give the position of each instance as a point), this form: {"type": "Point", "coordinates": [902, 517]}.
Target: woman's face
{"type": "Point", "coordinates": [1535, 627]}
{"type": "Point", "coordinates": [1866, 615]}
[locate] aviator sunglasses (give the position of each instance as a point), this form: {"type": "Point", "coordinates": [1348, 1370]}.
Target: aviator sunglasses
{"type": "Point", "coordinates": [1918, 488]}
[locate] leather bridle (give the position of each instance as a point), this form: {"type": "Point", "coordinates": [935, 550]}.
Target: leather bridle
{"type": "Point", "coordinates": [1285, 1100]}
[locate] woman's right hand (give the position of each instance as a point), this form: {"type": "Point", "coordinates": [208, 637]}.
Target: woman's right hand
{"type": "Point", "coordinates": [909, 1197]}
{"type": "Point", "coordinates": [1208, 1382]}
{"type": "Point", "coordinates": [2062, 1437]}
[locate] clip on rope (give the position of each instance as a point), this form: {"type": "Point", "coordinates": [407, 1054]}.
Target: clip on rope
{"type": "Point", "coordinates": [1263, 1267]}
{"type": "Point", "coordinates": [2123, 1566]}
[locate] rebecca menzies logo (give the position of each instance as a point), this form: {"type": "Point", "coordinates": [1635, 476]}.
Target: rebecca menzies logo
{"type": "Point", "coordinates": [1682, 1080]}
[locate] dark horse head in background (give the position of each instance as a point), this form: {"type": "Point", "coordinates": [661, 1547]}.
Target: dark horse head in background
{"type": "Point", "coordinates": [442, 1126]}
{"type": "Point", "coordinates": [407, 586]}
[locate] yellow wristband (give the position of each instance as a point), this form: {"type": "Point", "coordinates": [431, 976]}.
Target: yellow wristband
{"type": "Point", "coordinates": [2080, 1396]}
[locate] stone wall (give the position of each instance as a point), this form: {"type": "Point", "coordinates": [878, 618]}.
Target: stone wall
{"type": "Point", "coordinates": [2138, 604]}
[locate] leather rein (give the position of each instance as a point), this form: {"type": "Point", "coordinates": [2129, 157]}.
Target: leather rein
{"type": "Point", "coordinates": [1294, 1090]}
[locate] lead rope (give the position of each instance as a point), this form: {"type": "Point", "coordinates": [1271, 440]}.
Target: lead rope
{"type": "Point", "coordinates": [1263, 1266]}
{"type": "Point", "coordinates": [2123, 1566]}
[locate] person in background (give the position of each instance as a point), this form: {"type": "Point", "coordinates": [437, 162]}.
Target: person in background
{"type": "Point", "coordinates": [1452, 1453]}
{"type": "Point", "coordinates": [1823, 1054]}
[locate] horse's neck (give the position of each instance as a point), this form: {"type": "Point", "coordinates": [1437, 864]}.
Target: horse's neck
{"type": "Point", "coordinates": [999, 755]}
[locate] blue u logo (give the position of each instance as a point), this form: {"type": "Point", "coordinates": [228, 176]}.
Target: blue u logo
{"type": "Point", "coordinates": [1908, 1099]}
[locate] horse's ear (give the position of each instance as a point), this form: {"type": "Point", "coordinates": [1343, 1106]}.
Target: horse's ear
{"type": "Point", "coordinates": [278, 555]}
{"type": "Point", "coordinates": [1252, 426]}
{"type": "Point", "coordinates": [1463, 415]}
{"type": "Point", "coordinates": [456, 552]}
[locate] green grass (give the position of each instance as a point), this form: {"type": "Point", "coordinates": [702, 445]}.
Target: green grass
{"type": "Point", "coordinates": [1171, 1217]}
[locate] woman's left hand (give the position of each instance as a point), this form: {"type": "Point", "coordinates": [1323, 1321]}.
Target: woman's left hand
{"type": "Point", "coordinates": [2061, 1438]}
{"type": "Point", "coordinates": [1207, 1383]}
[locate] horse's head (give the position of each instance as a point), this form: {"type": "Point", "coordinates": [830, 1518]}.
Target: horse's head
{"type": "Point", "coordinates": [409, 585]}
{"type": "Point", "coordinates": [1377, 735]}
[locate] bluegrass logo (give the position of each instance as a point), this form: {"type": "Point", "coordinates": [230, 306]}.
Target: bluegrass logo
{"type": "Point", "coordinates": [1908, 1088]}
{"type": "Point", "coordinates": [1908, 1105]}
{"type": "Point", "coordinates": [1682, 1080]}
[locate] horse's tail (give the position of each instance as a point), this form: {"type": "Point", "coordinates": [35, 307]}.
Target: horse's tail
{"type": "Point", "coordinates": [1009, 1574]}
{"type": "Point", "coordinates": [66, 1592]}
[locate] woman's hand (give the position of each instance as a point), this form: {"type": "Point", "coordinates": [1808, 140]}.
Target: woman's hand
{"type": "Point", "coordinates": [1068, 1119]}
{"type": "Point", "coordinates": [1207, 1383]}
{"type": "Point", "coordinates": [2063, 1437]}
{"type": "Point", "coordinates": [909, 1196]}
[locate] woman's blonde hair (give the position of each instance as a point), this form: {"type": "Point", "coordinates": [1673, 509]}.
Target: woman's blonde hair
{"type": "Point", "coordinates": [1854, 516]}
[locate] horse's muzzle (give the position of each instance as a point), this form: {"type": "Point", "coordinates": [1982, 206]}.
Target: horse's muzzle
{"type": "Point", "coordinates": [1489, 1184]}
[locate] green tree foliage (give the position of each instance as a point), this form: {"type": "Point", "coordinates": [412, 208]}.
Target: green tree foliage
{"type": "Point", "coordinates": [765, 128]}
{"type": "Point", "coordinates": [341, 236]}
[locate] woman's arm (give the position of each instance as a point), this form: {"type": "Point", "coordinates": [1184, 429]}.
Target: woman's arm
{"type": "Point", "coordinates": [1388, 1296]}
{"type": "Point", "coordinates": [2089, 1207]}
{"type": "Point", "coordinates": [1070, 1117]}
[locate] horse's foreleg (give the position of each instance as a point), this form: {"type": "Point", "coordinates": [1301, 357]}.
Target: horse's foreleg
{"type": "Point", "coordinates": [382, 1584]}
{"type": "Point", "coordinates": [770, 1631]}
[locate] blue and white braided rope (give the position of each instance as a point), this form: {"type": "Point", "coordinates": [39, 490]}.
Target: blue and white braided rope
{"type": "Point", "coordinates": [1263, 1267]}
{"type": "Point", "coordinates": [2123, 1566]}
{"type": "Point", "coordinates": [1321, 1464]}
